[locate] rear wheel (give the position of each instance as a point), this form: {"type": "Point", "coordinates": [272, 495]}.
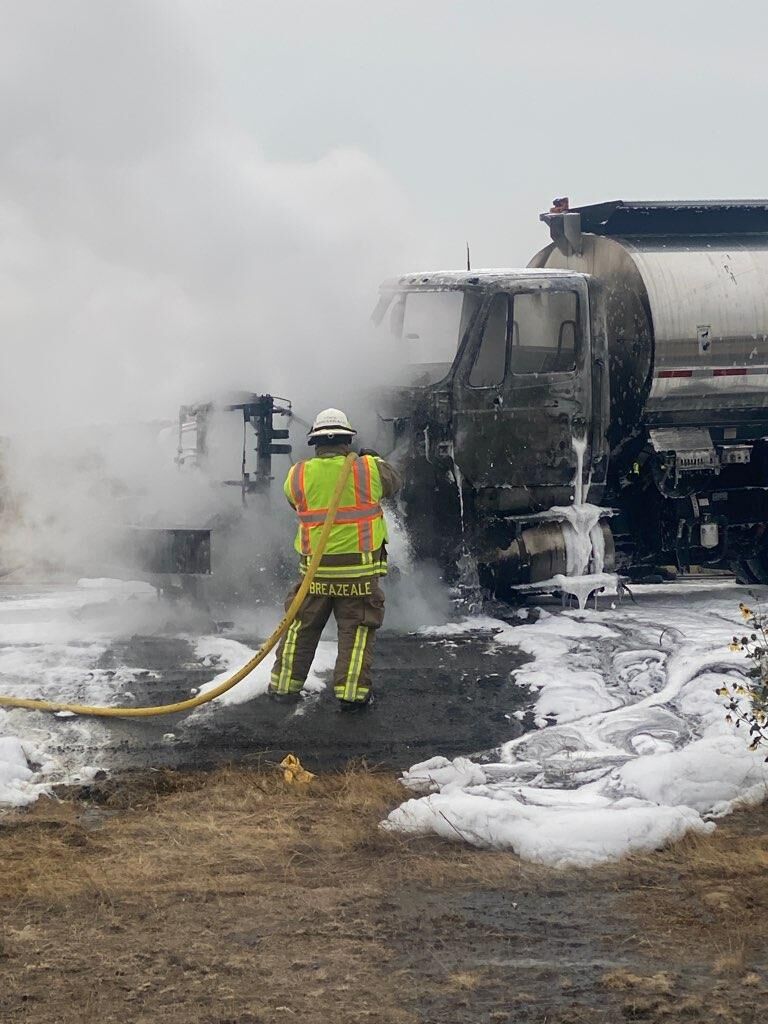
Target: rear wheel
{"type": "Point", "coordinates": [752, 571]}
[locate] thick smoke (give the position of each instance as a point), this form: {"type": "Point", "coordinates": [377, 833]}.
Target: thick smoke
{"type": "Point", "coordinates": [151, 254]}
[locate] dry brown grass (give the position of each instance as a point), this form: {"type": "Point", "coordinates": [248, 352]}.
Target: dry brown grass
{"type": "Point", "coordinates": [152, 822]}
{"type": "Point", "coordinates": [228, 818]}
{"type": "Point", "coordinates": [197, 898]}
{"type": "Point", "coordinates": [464, 980]}
{"type": "Point", "coordinates": [718, 903]}
{"type": "Point", "coordinates": [158, 868]}
{"type": "Point", "coordinates": [661, 983]}
{"type": "Point", "coordinates": [206, 896]}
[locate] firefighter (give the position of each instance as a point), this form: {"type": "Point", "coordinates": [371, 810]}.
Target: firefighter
{"type": "Point", "coordinates": [347, 580]}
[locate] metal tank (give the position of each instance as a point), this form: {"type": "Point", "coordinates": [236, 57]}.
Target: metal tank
{"type": "Point", "coordinates": [685, 287]}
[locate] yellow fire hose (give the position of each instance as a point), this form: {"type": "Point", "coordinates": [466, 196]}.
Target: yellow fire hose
{"type": "Point", "coordinates": [266, 647]}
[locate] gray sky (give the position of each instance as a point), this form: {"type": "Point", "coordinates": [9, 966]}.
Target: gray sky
{"type": "Point", "coordinates": [484, 110]}
{"type": "Point", "coordinates": [197, 193]}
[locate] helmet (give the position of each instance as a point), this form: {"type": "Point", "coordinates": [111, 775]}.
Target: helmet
{"type": "Point", "coordinates": [331, 424]}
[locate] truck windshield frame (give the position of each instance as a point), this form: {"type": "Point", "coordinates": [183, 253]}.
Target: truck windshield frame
{"type": "Point", "coordinates": [429, 326]}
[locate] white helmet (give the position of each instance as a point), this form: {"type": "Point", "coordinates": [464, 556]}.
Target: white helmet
{"type": "Point", "coordinates": [331, 423]}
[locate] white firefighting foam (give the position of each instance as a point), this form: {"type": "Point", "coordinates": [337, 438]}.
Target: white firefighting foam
{"type": "Point", "coordinates": [633, 748]}
{"type": "Point", "coordinates": [579, 445]}
{"type": "Point", "coordinates": [584, 541]}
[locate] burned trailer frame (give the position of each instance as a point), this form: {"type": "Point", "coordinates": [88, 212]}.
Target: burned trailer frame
{"type": "Point", "coordinates": [258, 412]}
{"type": "Point", "coordinates": [165, 554]}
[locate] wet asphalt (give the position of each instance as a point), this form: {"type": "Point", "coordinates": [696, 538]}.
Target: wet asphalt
{"type": "Point", "coordinates": [451, 695]}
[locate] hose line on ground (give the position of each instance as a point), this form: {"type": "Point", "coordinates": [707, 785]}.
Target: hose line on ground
{"type": "Point", "coordinates": [233, 680]}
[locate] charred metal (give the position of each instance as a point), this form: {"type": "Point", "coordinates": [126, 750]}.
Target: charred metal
{"type": "Point", "coordinates": [625, 367]}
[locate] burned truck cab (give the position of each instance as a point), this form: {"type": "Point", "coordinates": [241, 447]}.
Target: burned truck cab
{"type": "Point", "coordinates": [503, 409]}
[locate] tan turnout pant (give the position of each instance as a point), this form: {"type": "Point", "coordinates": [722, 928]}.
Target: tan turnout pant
{"type": "Point", "coordinates": [358, 606]}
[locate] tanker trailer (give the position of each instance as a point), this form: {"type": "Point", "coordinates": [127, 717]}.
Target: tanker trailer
{"type": "Point", "coordinates": [605, 407]}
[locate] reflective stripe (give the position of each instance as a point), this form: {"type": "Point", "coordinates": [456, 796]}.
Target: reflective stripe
{"type": "Point", "coordinates": [713, 371]}
{"type": "Point", "coordinates": [365, 535]}
{"type": "Point", "coordinates": [350, 514]}
{"type": "Point", "coordinates": [283, 684]}
{"type": "Point", "coordinates": [356, 663]}
{"type": "Point", "coordinates": [348, 572]}
{"type": "Point", "coordinates": [363, 564]}
{"type": "Point", "coordinates": [362, 473]}
{"type": "Point", "coordinates": [297, 485]}
{"type": "Point", "coordinates": [294, 685]}
{"type": "Point", "coordinates": [298, 492]}
{"type": "Point", "coordinates": [348, 559]}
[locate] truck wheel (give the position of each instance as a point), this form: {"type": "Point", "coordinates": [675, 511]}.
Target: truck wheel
{"type": "Point", "coordinates": [752, 571]}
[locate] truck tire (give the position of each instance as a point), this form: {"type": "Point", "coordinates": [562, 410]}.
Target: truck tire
{"type": "Point", "coordinates": [752, 571]}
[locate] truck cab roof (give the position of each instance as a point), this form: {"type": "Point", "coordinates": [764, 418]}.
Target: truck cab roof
{"type": "Point", "coordinates": [448, 279]}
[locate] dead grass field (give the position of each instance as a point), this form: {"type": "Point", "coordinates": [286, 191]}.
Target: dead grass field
{"type": "Point", "coordinates": [230, 898]}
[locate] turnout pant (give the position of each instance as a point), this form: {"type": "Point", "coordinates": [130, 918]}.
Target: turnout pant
{"type": "Point", "coordinates": [358, 607]}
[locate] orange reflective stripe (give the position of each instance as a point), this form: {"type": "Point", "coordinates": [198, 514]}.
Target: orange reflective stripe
{"type": "Point", "coordinates": [350, 514]}
{"type": "Point", "coordinates": [356, 480]}
{"type": "Point", "coordinates": [362, 475]}
{"type": "Point", "coordinates": [360, 514]}
{"type": "Point", "coordinates": [362, 470]}
{"type": "Point", "coordinates": [365, 535]}
{"type": "Point", "coordinates": [299, 495]}
{"type": "Point", "coordinates": [297, 486]}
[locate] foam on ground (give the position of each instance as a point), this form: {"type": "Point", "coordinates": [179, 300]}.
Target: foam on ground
{"type": "Point", "coordinates": [52, 643]}
{"type": "Point", "coordinates": [52, 639]}
{"type": "Point", "coordinates": [230, 655]}
{"type": "Point", "coordinates": [632, 750]}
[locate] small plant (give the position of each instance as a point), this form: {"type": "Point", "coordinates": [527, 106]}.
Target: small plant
{"type": "Point", "coordinates": [747, 700]}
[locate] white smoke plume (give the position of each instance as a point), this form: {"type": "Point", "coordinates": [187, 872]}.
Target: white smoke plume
{"type": "Point", "coordinates": [149, 251]}
{"type": "Point", "coordinates": [151, 254]}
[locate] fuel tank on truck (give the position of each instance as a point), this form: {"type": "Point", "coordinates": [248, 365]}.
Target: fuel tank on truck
{"type": "Point", "coordinates": [685, 287]}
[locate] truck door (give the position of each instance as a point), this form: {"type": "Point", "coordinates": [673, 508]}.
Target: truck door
{"type": "Point", "coordinates": [522, 396]}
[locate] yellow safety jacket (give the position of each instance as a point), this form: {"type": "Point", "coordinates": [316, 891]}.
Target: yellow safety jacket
{"type": "Point", "coordinates": [356, 546]}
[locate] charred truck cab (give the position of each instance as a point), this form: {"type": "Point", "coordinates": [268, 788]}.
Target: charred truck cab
{"type": "Point", "coordinates": [618, 386]}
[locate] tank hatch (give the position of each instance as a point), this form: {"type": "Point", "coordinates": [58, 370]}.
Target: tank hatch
{"type": "Point", "coordinates": [622, 218]}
